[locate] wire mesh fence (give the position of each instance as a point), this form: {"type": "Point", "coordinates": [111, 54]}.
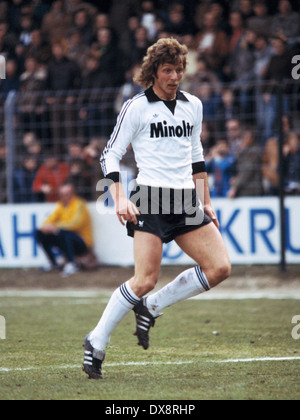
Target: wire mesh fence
{"type": "Point", "coordinates": [49, 137]}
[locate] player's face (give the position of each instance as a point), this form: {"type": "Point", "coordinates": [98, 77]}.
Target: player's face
{"type": "Point", "coordinates": [167, 81]}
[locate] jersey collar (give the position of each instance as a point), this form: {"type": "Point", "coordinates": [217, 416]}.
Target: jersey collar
{"type": "Point", "coordinates": [152, 97]}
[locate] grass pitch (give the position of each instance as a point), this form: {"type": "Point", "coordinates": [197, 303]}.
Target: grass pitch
{"type": "Point", "coordinates": [188, 359]}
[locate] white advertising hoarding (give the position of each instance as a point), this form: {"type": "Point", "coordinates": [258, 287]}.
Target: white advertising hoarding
{"type": "Point", "coordinates": [250, 228]}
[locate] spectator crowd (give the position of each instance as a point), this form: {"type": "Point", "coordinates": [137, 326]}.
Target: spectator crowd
{"type": "Point", "coordinates": [72, 61]}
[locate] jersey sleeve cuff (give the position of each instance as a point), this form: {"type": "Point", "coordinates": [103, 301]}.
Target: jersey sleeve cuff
{"type": "Point", "coordinates": [199, 167]}
{"type": "Point", "coordinates": [114, 177]}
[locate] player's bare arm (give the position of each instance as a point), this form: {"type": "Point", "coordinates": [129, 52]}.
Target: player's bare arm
{"type": "Point", "coordinates": [125, 209]}
{"type": "Point", "coordinates": [203, 192]}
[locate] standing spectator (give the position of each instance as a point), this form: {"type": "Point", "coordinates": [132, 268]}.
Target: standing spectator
{"type": "Point", "coordinates": [148, 17]}
{"type": "Point", "coordinates": [286, 22]}
{"type": "Point", "coordinates": [263, 52]}
{"type": "Point", "coordinates": [85, 25]}
{"type": "Point", "coordinates": [278, 70]}
{"type": "Point", "coordinates": [2, 170]}
{"type": "Point", "coordinates": [30, 102]}
{"type": "Point", "coordinates": [91, 118]}
{"type": "Point", "coordinates": [237, 29]}
{"type": "Point", "coordinates": [110, 58]}
{"type": "Point", "coordinates": [140, 45]}
{"type": "Point", "coordinates": [210, 99]}
{"type": "Point", "coordinates": [77, 51]}
{"type": "Point", "coordinates": [177, 25]}
{"type": "Point", "coordinates": [63, 78]}
{"type": "Point", "coordinates": [50, 177]}
{"type": "Point", "coordinates": [270, 172]}
{"type": "Point", "coordinates": [119, 15]}
{"type": "Point", "coordinates": [260, 23]}
{"type": "Point", "coordinates": [23, 181]}
{"type": "Point", "coordinates": [234, 135]}
{"type": "Point", "coordinates": [81, 178]}
{"type": "Point", "coordinates": [68, 228]}
{"type": "Point", "coordinates": [26, 30]}
{"type": "Point", "coordinates": [11, 82]}
{"type": "Point", "coordinates": [202, 74]}
{"type": "Point", "coordinates": [292, 164]}
{"type": "Point", "coordinates": [228, 109]}
{"type": "Point", "coordinates": [56, 23]}
{"type": "Point", "coordinates": [212, 44]}
{"type": "Point", "coordinates": [39, 48]}
{"type": "Point", "coordinates": [246, 9]}
{"type": "Point", "coordinates": [248, 180]}
{"type": "Point", "coordinates": [221, 167]}
{"type": "Point", "coordinates": [241, 70]}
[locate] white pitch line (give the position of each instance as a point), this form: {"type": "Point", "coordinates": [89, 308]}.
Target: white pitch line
{"type": "Point", "coordinates": [262, 359]}
{"type": "Point", "coordinates": [31, 368]}
{"type": "Point", "coordinates": [124, 364]}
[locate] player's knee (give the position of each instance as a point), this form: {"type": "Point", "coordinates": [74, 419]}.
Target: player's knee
{"type": "Point", "coordinates": [145, 284]}
{"type": "Point", "coordinates": [220, 273]}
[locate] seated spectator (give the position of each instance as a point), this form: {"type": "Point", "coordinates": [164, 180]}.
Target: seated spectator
{"type": "Point", "coordinates": [68, 228]}
{"type": "Point", "coordinates": [23, 182]}
{"type": "Point", "coordinates": [222, 168]}
{"type": "Point", "coordinates": [292, 164]}
{"type": "Point", "coordinates": [248, 180]}
{"type": "Point", "coordinates": [50, 177]}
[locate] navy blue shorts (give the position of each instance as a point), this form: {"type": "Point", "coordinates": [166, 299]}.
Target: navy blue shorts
{"type": "Point", "coordinates": [167, 213]}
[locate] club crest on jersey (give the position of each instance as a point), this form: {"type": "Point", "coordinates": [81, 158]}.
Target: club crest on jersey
{"type": "Point", "coordinates": [162, 129]}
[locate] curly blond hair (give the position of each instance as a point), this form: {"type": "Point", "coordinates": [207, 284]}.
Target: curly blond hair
{"type": "Point", "coordinates": [166, 50]}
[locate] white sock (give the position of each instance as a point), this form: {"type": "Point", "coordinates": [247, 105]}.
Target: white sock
{"type": "Point", "coordinates": [121, 303]}
{"type": "Point", "coordinates": [188, 284]}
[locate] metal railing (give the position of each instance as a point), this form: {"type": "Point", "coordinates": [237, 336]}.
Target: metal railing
{"type": "Point", "coordinates": [74, 127]}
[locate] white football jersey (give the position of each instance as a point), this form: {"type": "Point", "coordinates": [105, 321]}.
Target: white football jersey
{"type": "Point", "coordinates": [165, 137]}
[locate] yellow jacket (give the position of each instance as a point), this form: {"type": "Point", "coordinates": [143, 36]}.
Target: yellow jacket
{"type": "Point", "coordinates": [75, 218]}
